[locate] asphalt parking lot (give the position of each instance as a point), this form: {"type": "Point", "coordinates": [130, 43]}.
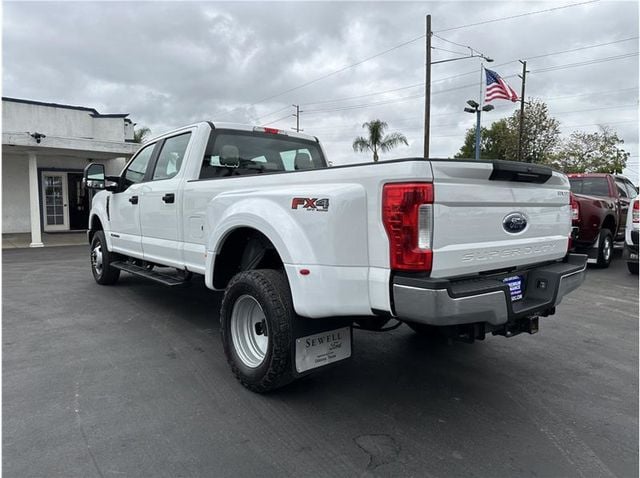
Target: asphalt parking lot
{"type": "Point", "coordinates": [131, 380]}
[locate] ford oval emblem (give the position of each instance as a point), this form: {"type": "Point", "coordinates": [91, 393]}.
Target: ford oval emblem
{"type": "Point", "coordinates": [514, 223]}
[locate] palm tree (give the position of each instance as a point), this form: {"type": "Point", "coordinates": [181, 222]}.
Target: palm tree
{"type": "Point", "coordinates": [377, 140]}
{"type": "Point", "coordinates": [140, 134]}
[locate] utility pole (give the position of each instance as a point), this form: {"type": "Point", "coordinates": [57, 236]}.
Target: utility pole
{"type": "Point", "coordinates": [521, 132]}
{"type": "Point", "coordinates": [427, 90]}
{"type": "Point", "coordinates": [297, 115]}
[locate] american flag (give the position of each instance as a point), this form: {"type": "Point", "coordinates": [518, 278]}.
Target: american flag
{"type": "Point", "coordinates": [497, 88]}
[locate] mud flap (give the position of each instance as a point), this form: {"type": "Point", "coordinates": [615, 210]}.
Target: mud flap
{"type": "Point", "coordinates": [320, 343]}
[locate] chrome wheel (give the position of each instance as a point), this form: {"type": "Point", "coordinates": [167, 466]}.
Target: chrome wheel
{"type": "Point", "coordinates": [96, 259]}
{"type": "Point", "coordinates": [606, 249]}
{"type": "Point", "coordinates": [249, 332]}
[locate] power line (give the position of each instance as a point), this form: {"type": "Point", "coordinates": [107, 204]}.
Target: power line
{"type": "Point", "coordinates": [365, 95]}
{"type": "Point", "coordinates": [472, 50]}
{"type": "Point", "coordinates": [400, 45]}
{"type": "Point", "coordinates": [276, 120]}
{"type": "Point", "coordinates": [515, 16]}
{"type": "Point", "coordinates": [527, 58]}
{"type": "Point", "coordinates": [602, 93]}
{"type": "Point", "coordinates": [449, 51]}
{"type": "Point", "coordinates": [341, 69]}
{"type": "Point", "coordinates": [389, 101]}
{"type": "Point", "coordinates": [269, 114]}
{"type": "Point", "coordinates": [581, 48]}
{"type": "Point", "coordinates": [398, 120]}
{"type": "Point", "coordinates": [597, 124]}
{"type": "Point", "coordinates": [468, 73]}
{"type": "Point", "coordinates": [585, 63]}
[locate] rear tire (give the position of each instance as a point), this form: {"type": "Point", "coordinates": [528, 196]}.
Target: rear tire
{"type": "Point", "coordinates": [605, 248]}
{"type": "Point", "coordinates": [256, 321]}
{"type": "Point", "coordinates": [633, 267]}
{"type": "Point", "coordinates": [101, 258]}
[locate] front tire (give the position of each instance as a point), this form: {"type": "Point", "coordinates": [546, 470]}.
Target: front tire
{"type": "Point", "coordinates": [605, 248]}
{"type": "Point", "coordinates": [633, 267]}
{"type": "Point", "coordinates": [256, 321]}
{"type": "Point", "coordinates": [103, 272]}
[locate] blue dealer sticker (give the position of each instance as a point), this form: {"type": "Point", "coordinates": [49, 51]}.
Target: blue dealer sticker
{"type": "Point", "coordinates": [515, 287]}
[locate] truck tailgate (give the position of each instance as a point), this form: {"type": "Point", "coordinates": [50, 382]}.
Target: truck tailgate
{"type": "Point", "coordinates": [496, 215]}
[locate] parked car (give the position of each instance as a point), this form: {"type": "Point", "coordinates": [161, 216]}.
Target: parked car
{"type": "Point", "coordinates": [303, 250]}
{"type": "Point", "coordinates": [602, 203]}
{"type": "Point", "coordinates": [631, 237]}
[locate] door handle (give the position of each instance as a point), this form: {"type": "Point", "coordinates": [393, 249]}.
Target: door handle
{"type": "Point", "coordinates": [169, 198]}
{"type": "Point", "coordinates": [133, 199]}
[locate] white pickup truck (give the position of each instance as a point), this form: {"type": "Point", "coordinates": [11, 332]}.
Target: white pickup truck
{"type": "Point", "coordinates": [303, 250]}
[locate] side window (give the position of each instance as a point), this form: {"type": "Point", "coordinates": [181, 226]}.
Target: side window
{"type": "Point", "coordinates": [632, 190]}
{"type": "Point", "coordinates": [138, 167]}
{"type": "Point", "coordinates": [297, 159]}
{"type": "Point", "coordinates": [171, 156]}
{"type": "Point", "coordinates": [622, 190]}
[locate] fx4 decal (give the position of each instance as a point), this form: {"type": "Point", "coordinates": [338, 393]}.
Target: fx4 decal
{"type": "Point", "coordinates": [311, 204]}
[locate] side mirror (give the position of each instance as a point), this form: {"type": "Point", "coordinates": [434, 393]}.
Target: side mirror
{"type": "Point", "coordinates": [94, 177]}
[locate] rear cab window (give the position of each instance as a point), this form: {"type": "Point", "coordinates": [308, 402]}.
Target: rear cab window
{"type": "Point", "coordinates": [631, 189]}
{"type": "Point", "coordinates": [239, 153]}
{"type": "Point", "coordinates": [590, 186]}
{"type": "Point", "coordinates": [622, 189]}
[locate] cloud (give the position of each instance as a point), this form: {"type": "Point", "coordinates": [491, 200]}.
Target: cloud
{"type": "Point", "coordinates": [168, 64]}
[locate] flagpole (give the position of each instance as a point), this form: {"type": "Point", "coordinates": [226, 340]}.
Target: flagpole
{"type": "Point", "coordinates": [478, 113]}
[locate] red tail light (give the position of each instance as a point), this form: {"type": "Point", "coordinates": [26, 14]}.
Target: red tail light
{"type": "Point", "coordinates": [262, 129]}
{"type": "Point", "coordinates": [636, 212]}
{"type": "Point", "coordinates": [407, 215]}
{"type": "Point", "coordinates": [575, 208]}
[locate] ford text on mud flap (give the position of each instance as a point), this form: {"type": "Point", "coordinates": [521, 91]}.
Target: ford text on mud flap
{"type": "Point", "coordinates": [324, 348]}
{"type": "Point", "coordinates": [303, 251]}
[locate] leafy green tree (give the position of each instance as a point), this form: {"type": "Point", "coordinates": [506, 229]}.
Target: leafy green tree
{"type": "Point", "coordinates": [598, 152]}
{"type": "Point", "coordinates": [377, 140]}
{"type": "Point", "coordinates": [140, 134]}
{"type": "Point", "coordinates": [492, 141]}
{"type": "Point", "coordinates": [540, 139]}
{"type": "Point", "coordinates": [541, 134]}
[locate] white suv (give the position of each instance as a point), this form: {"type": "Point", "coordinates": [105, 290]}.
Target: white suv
{"type": "Point", "coordinates": [631, 237]}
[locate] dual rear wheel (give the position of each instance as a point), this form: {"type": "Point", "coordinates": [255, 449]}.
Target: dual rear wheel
{"type": "Point", "coordinates": [256, 322]}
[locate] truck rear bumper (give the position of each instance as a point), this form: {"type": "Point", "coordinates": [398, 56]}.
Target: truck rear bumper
{"type": "Point", "coordinates": [442, 302]}
{"type": "Point", "coordinates": [630, 253]}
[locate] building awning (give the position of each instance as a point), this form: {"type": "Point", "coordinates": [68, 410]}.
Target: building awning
{"type": "Point", "coordinates": [79, 147]}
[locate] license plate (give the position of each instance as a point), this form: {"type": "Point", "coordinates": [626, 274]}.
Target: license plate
{"type": "Point", "coordinates": [633, 256]}
{"type": "Point", "coordinates": [321, 349]}
{"type": "Point", "coordinates": [515, 287]}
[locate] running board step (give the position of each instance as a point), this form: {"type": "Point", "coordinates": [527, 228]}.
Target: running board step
{"type": "Point", "coordinates": [165, 279]}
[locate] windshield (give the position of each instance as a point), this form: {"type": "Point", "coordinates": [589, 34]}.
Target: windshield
{"type": "Point", "coordinates": [235, 153]}
{"type": "Point", "coordinates": [590, 186]}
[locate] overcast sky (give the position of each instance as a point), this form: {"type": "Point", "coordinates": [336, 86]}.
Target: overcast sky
{"type": "Point", "coordinates": [169, 64]}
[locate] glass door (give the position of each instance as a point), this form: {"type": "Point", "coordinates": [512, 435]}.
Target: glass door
{"type": "Point", "coordinates": [55, 201]}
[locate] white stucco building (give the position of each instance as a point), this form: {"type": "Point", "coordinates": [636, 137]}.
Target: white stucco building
{"type": "Point", "coordinates": [45, 148]}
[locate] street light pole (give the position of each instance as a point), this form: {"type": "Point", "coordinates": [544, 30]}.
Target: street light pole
{"type": "Point", "coordinates": [475, 108]}
{"type": "Point", "coordinates": [427, 90]}
{"type": "Point", "coordinates": [478, 112]}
